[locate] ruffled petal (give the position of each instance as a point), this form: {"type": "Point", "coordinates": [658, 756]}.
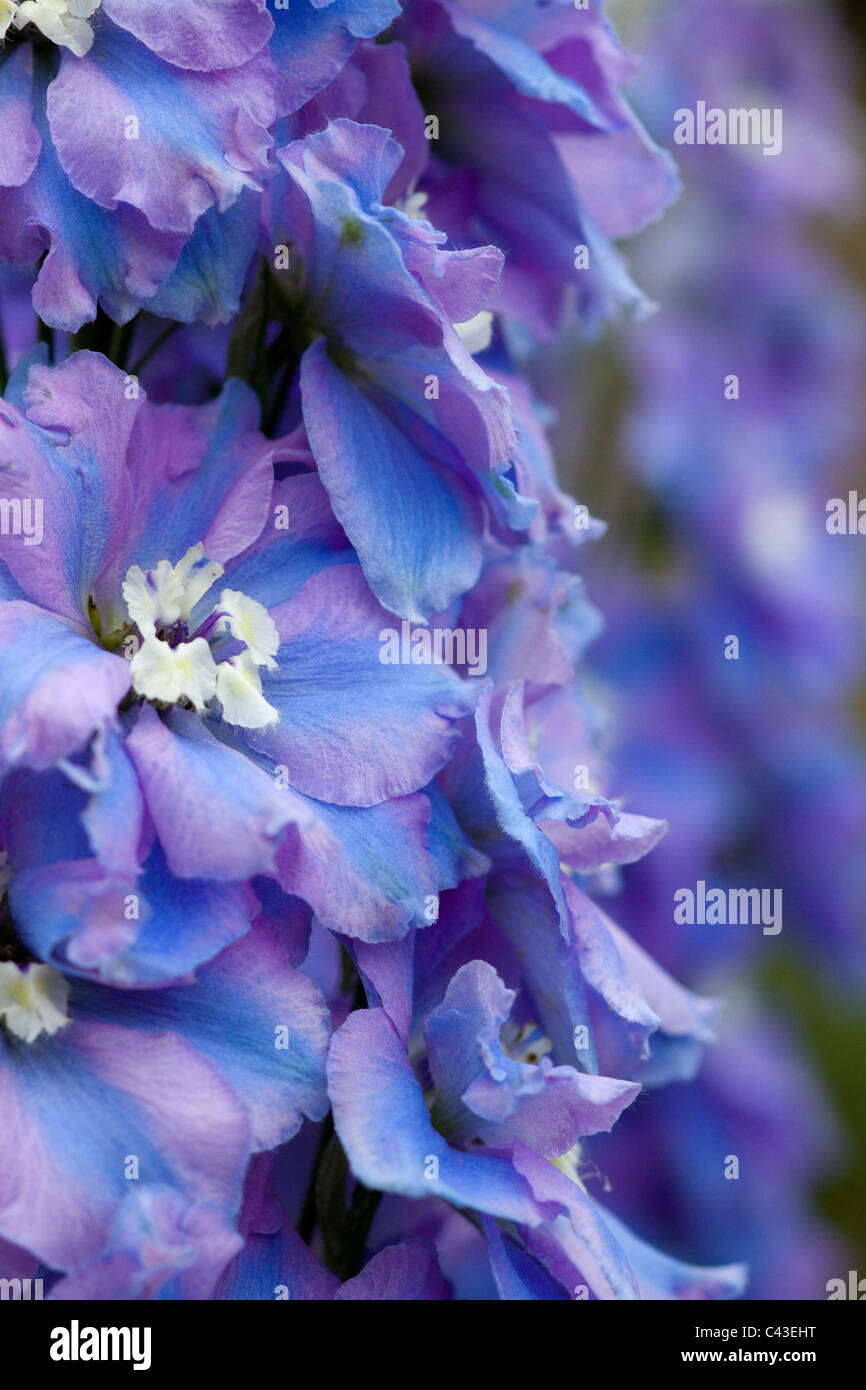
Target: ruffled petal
{"type": "Point", "coordinates": [343, 748]}
{"type": "Point", "coordinates": [56, 687]}
{"type": "Point", "coordinates": [385, 1128]}
{"type": "Point", "coordinates": [79, 1107]}
{"type": "Point", "coordinates": [201, 138]}
{"type": "Point", "coordinates": [198, 34]}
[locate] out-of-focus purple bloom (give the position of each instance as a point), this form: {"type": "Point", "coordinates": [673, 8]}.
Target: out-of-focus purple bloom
{"type": "Point", "coordinates": [754, 54]}
{"type": "Point", "coordinates": [535, 149]}
{"type": "Point", "coordinates": [755, 1102]}
{"type": "Point", "coordinates": [745, 409]}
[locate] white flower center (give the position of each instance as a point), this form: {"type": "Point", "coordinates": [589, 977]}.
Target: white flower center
{"type": "Point", "coordinates": [529, 1045]}
{"type": "Point", "coordinates": [64, 22]}
{"type": "Point", "coordinates": [174, 664]}
{"type": "Point", "coordinates": [476, 332]}
{"type": "Point", "coordinates": [33, 1000]}
{"type": "Point", "coordinates": [414, 205]}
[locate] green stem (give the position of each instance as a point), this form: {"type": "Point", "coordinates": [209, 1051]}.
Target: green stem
{"type": "Point", "coordinates": [307, 1218]}
{"type": "Point", "coordinates": [121, 342]}
{"type": "Point", "coordinates": [44, 334]}
{"type": "Point", "coordinates": [154, 347]}
{"type": "Point", "coordinates": [344, 1230]}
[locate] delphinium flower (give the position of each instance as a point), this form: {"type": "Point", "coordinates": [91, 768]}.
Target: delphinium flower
{"type": "Point", "coordinates": [305, 987]}
{"type": "Point", "coordinates": [520, 1022]}
{"type": "Point", "coordinates": [138, 139]}
{"type": "Point", "coordinates": [527, 1007]}
{"type": "Point", "coordinates": [409, 436]}
{"type": "Point", "coordinates": [153, 809]}
{"type": "Point", "coordinates": [515, 131]}
{"type": "Point", "coordinates": [536, 149]}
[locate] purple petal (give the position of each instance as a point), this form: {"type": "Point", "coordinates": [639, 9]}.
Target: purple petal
{"type": "Point", "coordinates": [202, 137]}
{"type": "Point", "coordinates": [386, 970]}
{"type": "Point", "coordinates": [263, 1024]}
{"type": "Point", "coordinates": [483, 1093]}
{"type": "Point", "coordinates": [406, 1271]}
{"type": "Point", "coordinates": [384, 730]}
{"type": "Point", "coordinates": [198, 34]}
{"type": "Point", "coordinates": [19, 148]}
{"type": "Point", "coordinates": [79, 1105]}
{"type": "Point", "coordinates": [116, 259]}
{"type": "Point", "coordinates": [367, 872]}
{"type": "Point", "coordinates": [217, 814]}
{"type": "Point", "coordinates": [385, 1128]}
{"type": "Point", "coordinates": [56, 687]}
{"type": "Point", "coordinates": [159, 1246]}
{"type": "Point", "coordinates": [68, 456]}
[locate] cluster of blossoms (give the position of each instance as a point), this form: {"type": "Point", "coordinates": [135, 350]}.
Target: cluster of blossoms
{"type": "Point", "coordinates": [765, 744]}
{"type": "Point", "coordinates": [304, 988]}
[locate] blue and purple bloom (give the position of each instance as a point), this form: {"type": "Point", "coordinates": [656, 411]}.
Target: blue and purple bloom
{"type": "Point", "coordinates": [172, 789]}
{"type": "Point", "coordinates": [309, 988]}
{"type": "Point", "coordinates": [138, 137]}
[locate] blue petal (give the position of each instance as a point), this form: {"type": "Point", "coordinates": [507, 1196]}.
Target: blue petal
{"type": "Point", "coordinates": [518, 1276]}
{"type": "Point", "coordinates": [262, 1023]}
{"type": "Point", "coordinates": [414, 522]}
{"type": "Point", "coordinates": [217, 814]}
{"type": "Point", "coordinates": [79, 1105]}
{"type": "Point", "coordinates": [661, 1277]}
{"type": "Point", "coordinates": [207, 282]}
{"type": "Point", "coordinates": [56, 687]}
{"type": "Point", "coordinates": [530, 73]}
{"type": "Point", "coordinates": [125, 931]}
{"type": "Point", "coordinates": [385, 1128]}
{"type": "Point", "coordinates": [367, 872]}
{"type": "Point", "coordinates": [311, 43]}
{"type": "Point", "coordinates": [352, 730]}
{"type": "Point", "coordinates": [302, 538]}
{"type": "Point", "coordinates": [275, 1267]}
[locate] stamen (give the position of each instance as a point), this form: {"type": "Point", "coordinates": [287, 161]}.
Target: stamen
{"type": "Point", "coordinates": [162, 672]}
{"type": "Point", "coordinates": [239, 691]}
{"type": "Point", "coordinates": [171, 666]}
{"type": "Point", "coordinates": [64, 22]}
{"type": "Point", "coordinates": [251, 623]}
{"type": "Point", "coordinates": [33, 1000]}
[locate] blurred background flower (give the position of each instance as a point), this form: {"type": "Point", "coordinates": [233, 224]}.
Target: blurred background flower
{"type": "Point", "coordinates": [713, 438]}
